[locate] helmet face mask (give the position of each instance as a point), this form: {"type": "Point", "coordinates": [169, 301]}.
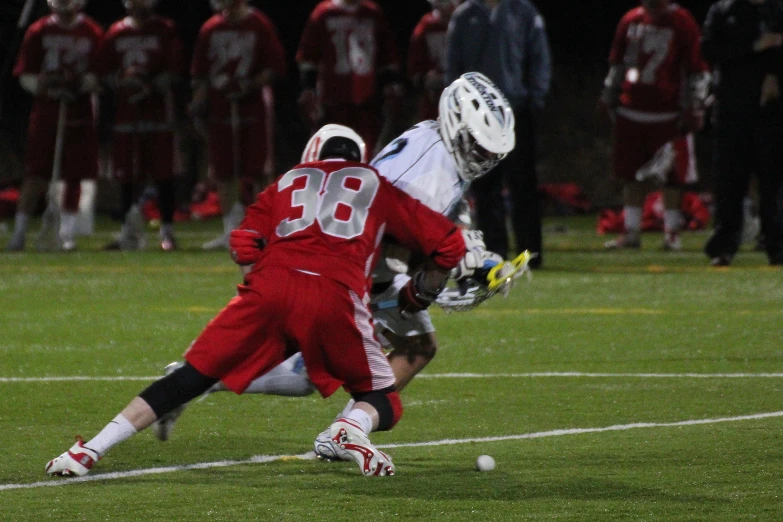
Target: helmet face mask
{"type": "Point", "coordinates": [476, 124]}
{"type": "Point", "coordinates": [66, 6]}
{"type": "Point", "coordinates": [334, 140]}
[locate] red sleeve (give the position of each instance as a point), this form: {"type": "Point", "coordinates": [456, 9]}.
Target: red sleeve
{"type": "Point", "coordinates": [274, 55]}
{"type": "Point", "coordinates": [313, 40]}
{"type": "Point", "coordinates": [420, 228]}
{"type": "Point", "coordinates": [30, 53]}
{"type": "Point", "coordinates": [387, 45]}
{"type": "Point", "coordinates": [417, 51]}
{"type": "Point", "coordinates": [199, 67]}
{"type": "Point", "coordinates": [618, 44]}
{"type": "Point", "coordinates": [259, 215]}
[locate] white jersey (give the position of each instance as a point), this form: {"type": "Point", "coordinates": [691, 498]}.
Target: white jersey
{"type": "Point", "coordinates": [418, 163]}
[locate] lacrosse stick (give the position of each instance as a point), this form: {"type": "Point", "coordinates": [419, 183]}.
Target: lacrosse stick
{"type": "Point", "coordinates": [48, 238]}
{"type": "Point", "coordinates": [235, 137]}
{"type": "Point", "coordinates": [470, 293]}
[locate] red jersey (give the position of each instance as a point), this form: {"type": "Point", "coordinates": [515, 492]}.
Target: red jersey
{"type": "Point", "coordinates": [226, 53]}
{"type": "Point", "coordinates": [348, 46]}
{"type": "Point", "coordinates": [149, 50]}
{"type": "Point", "coordinates": [428, 45]}
{"type": "Point", "coordinates": [329, 217]}
{"type": "Point", "coordinates": [658, 57]}
{"type": "Point", "coordinates": [49, 47]}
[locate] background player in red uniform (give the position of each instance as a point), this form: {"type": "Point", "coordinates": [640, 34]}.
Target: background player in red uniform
{"type": "Point", "coordinates": [655, 90]}
{"type": "Point", "coordinates": [425, 56]}
{"type": "Point", "coordinates": [237, 54]}
{"type": "Point", "coordinates": [347, 59]}
{"type": "Point", "coordinates": [322, 223]}
{"type": "Point", "coordinates": [56, 64]}
{"type": "Point", "coordinates": [141, 59]}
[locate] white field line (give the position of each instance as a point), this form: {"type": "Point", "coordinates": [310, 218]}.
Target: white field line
{"type": "Point", "coordinates": [443, 376]}
{"type": "Point", "coordinates": [262, 459]}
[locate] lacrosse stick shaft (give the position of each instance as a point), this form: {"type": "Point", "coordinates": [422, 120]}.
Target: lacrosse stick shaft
{"type": "Point", "coordinates": [59, 148]}
{"type": "Point", "coordinates": [234, 104]}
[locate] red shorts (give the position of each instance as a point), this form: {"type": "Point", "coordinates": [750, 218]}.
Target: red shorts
{"type": "Point", "coordinates": [154, 152]}
{"type": "Point", "coordinates": [251, 151]}
{"type": "Point", "coordinates": [80, 150]}
{"type": "Point", "coordinates": [364, 119]}
{"type": "Point", "coordinates": [282, 311]}
{"type": "Point", "coordinates": [638, 144]}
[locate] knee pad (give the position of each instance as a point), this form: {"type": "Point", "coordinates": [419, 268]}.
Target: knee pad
{"type": "Point", "coordinates": [388, 404]}
{"type": "Point", "coordinates": [175, 389]}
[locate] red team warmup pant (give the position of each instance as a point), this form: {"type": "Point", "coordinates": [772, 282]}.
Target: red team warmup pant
{"type": "Point", "coordinates": [137, 156]}
{"type": "Point", "coordinates": [281, 311]}
{"type": "Point", "coordinates": [80, 154]}
{"type": "Point", "coordinates": [637, 142]}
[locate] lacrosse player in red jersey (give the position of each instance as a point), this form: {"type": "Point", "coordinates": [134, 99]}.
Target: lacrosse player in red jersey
{"type": "Point", "coordinates": [348, 63]}
{"type": "Point", "coordinates": [655, 92]}
{"type": "Point", "coordinates": [141, 59]}
{"type": "Point", "coordinates": [425, 56]}
{"type": "Point", "coordinates": [237, 54]}
{"type": "Point", "coordinates": [57, 65]}
{"type": "Point", "coordinates": [320, 225]}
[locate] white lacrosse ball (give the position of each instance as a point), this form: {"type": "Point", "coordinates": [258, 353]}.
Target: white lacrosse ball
{"type": "Point", "coordinates": [485, 463]}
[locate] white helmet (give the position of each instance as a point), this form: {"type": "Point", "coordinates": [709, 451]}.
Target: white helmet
{"type": "Point", "coordinates": [476, 124]}
{"type": "Point", "coordinates": [66, 6]}
{"type": "Point", "coordinates": [334, 140]}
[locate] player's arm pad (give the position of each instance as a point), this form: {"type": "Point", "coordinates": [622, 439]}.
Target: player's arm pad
{"type": "Point", "coordinates": [246, 246]}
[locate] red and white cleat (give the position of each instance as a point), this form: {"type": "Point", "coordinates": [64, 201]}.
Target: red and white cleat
{"type": "Point", "coordinates": [349, 436]}
{"type": "Point", "coordinates": [77, 461]}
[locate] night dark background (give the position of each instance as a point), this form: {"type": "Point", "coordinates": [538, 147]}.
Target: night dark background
{"type": "Point", "coordinates": [574, 143]}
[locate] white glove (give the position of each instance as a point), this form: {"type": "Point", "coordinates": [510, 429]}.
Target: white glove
{"type": "Point", "coordinates": [474, 255]}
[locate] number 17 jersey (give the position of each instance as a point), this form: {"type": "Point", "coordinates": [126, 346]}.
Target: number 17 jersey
{"type": "Point", "coordinates": [328, 218]}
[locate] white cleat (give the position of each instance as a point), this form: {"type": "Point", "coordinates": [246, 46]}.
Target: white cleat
{"type": "Point", "coordinates": [327, 450]}
{"type": "Point", "coordinates": [350, 438]}
{"type": "Point", "coordinates": [76, 462]}
{"type": "Point", "coordinates": [163, 427]}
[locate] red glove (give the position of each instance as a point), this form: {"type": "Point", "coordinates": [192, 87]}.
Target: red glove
{"type": "Point", "coordinates": [245, 246]}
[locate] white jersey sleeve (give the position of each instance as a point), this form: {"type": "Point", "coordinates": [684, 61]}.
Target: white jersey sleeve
{"type": "Point", "coordinates": [418, 164]}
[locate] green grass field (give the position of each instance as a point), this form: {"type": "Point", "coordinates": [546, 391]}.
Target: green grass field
{"type": "Point", "coordinates": [613, 386]}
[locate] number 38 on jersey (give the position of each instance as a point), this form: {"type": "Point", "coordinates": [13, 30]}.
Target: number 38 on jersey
{"type": "Point", "coordinates": [339, 203]}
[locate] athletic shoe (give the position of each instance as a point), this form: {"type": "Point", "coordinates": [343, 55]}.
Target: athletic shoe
{"type": "Point", "coordinates": [163, 427]}
{"type": "Point", "coordinates": [327, 450]}
{"type": "Point", "coordinates": [350, 437]}
{"type": "Point", "coordinates": [671, 242]}
{"type": "Point", "coordinates": [627, 240]}
{"type": "Point", "coordinates": [68, 246]}
{"type": "Point", "coordinates": [721, 260]}
{"type": "Point", "coordinates": [77, 461]}
{"type": "Point", "coordinates": [168, 243]}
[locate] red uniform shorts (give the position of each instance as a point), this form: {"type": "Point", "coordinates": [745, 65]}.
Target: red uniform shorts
{"type": "Point", "coordinates": [146, 155]}
{"type": "Point", "coordinates": [281, 311]}
{"type": "Point", "coordinates": [80, 149]}
{"type": "Point", "coordinates": [636, 144]}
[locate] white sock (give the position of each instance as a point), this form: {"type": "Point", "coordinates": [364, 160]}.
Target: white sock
{"type": "Point", "coordinates": [68, 226]}
{"type": "Point", "coordinates": [166, 229]}
{"type": "Point", "coordinates": [671, 220]}
{"type": "Point", "coordinates": [633, 219]}
{"type": "Point", "coordinates": [282, 381]}
{"type": "Point", "coordinates": [20, 223]}
{"type": "Point", "coordinates": [118, 430]}
{"type": "Point", "coordinates": [362, 418]}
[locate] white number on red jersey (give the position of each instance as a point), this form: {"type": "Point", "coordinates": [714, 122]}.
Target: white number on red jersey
{"type": "Point", "coordinates": [647, 41]}
{"type": "Point", "coordinates": [354, 45]}
{"type": "Point", "coordinates": [321, 202]}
